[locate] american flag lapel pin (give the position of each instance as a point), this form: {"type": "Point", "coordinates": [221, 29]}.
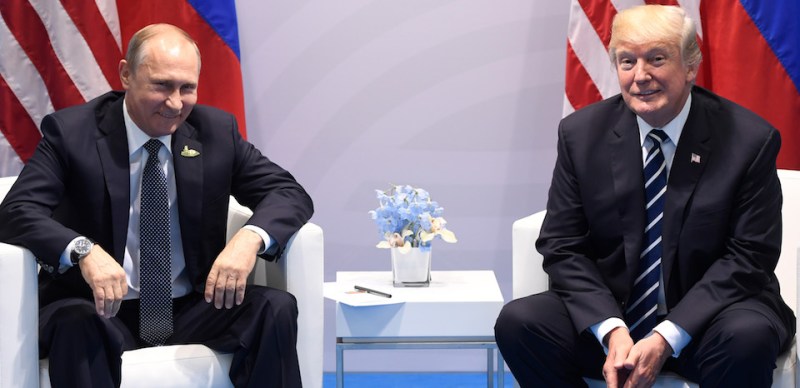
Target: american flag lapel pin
{"type": "Point", "coordinates": [695, 158]}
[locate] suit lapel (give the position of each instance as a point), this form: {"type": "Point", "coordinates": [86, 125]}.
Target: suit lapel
{"type": "Point", "coordinates": [691, 156]}
{"type": "Point", "coordinates": [187, 157]}
{"type": "Point", "coordinates": [626, 169]}
{"type": "Point", "coordinates": [112, 148]}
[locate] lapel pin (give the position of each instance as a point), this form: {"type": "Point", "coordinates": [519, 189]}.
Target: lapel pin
{"type": "Point", "coordinates": [695, 158]}
{"type": "Point", "coordinates": [190, 153]}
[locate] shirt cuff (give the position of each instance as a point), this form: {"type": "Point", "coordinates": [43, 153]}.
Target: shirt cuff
{"type": "Point", "coordinates": [267, 241]}
{"type": "Point", "coordinates": [674, 335]}
{"type": "Point", "coordinates": [600, 330]}
{"type": "Point", "coordinates": [65, 261]}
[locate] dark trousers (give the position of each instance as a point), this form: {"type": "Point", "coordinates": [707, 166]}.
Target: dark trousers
{"type": "Point", "coordinates": [85, 349]}
{"type": "Point", "coordinates": [739, 348]}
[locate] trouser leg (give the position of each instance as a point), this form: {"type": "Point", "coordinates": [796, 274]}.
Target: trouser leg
{"type": "Point", "coordinates": [739, 348]}
{"type": "Point", "coordinates": [261, 332]}
{"type": "Point", "coordinates": [84, 349]}
{"type": "Point", "coordinates": [538, 341]}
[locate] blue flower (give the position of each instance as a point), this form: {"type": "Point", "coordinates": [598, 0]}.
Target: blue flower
{"type": "Point", "coordinates": [407, 217]}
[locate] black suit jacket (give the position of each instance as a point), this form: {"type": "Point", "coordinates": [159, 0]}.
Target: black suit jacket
{"type": "Point", "coordinates": [78, 183]}
{"type": "Point", "coordinates": [722, 215]}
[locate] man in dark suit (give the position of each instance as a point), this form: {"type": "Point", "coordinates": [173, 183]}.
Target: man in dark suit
{"type": "Point", "coordinates": [84, 204]}
{"type": "Point", "coordinates": [660, 246]}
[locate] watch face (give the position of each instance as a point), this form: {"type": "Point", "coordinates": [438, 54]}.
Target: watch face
{"type": "Point", "coordinates": [83, 246]}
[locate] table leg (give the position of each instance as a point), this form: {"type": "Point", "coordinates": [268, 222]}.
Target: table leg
{"type": "Point", "coordinates": [501, 370]}
{"type": "Point", "coordinates": [490, 367]}
{"type": "Point", "coordinates": [339, 366]}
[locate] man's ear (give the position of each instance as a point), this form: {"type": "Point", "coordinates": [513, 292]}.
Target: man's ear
{"type": "Point", "coordinates": [125, 73]}
{"type": "Point", "coordinates": [691, 73]}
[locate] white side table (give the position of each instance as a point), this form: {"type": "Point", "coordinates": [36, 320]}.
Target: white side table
{"type": "Point", "coordinates": [457, 311]}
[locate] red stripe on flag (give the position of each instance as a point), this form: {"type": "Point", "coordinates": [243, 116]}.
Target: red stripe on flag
{"type": "Point", "coordinates": [221, 76]}
{"type": "Point", "coordinates": [92, 26]}
{"type": "Point", "coordinates": [600, 14]}
{"type": "Point", "coordinates": [663, 2]}
{"type": "Point", "coordinates": [581, 90]}
{"type": "Point", "coordinates": [752, 77]}
{"type": "Point", "coordinates": [30, 32]}
{"type": "Point", "coordinates": [16, 124]}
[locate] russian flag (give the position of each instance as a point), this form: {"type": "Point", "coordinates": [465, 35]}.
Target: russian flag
{"type": "Point", "coordinates": [750, 55]}
{"type": "Point", "coordinates": [62, 53]}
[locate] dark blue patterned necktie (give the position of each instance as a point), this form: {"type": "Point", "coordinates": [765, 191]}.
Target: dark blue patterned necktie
{"type": "Point", "coordinates": [641, 314]}
{"type": "Point", "coordinates": [155, 280]}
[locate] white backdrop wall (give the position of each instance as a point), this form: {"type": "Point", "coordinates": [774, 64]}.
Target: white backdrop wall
{"type": "Point", "coordinates": [461, 98]}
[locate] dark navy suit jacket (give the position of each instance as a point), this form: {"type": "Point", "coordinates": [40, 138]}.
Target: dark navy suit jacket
{"type": "Point", "coordinates": [77, 183]}
{"type": "Point", "coordinates": [722, 216]}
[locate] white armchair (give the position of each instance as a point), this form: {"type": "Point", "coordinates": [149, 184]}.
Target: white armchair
{"type": "Point", "coordinates": [529, 277]}
{"type": "Point", "coordinates": [300, 272]}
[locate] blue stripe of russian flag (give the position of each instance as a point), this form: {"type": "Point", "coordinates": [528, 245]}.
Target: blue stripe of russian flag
{"type": "Point", "coordinates": [779, 23]}
{"type": "Point", "coordinates": [221, 16]}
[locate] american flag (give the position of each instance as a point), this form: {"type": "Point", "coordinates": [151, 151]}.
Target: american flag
{"type": "Point", "coordinates": [58, 53]}
{"type": "Point", "coordinates": [750, 55]}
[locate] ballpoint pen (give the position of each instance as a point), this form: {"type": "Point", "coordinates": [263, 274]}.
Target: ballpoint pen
{"type": "Point", "coordinates": [373, 292]}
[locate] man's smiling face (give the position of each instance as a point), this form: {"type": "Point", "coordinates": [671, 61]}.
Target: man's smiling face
{"type": "Point", "coordinates": [162, 91]}
{"type": "Point", "coordinates": [654, 80]}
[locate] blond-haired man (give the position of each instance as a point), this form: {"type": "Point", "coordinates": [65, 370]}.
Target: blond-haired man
{"type": "Point", "coordinates": [662, 231]}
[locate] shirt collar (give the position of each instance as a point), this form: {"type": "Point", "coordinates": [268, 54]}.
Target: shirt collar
{"type": "Point", "coordinates": [137, 137]}
{"type": "Point", "coordinates": [673, 128]}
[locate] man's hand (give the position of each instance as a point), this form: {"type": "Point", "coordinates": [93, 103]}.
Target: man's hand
{"type": "Point", "coordinates": [619, 346]}
{"type": "Point", "coordinates": [646, 359]}
{"type": "Point", "coordinates": [107, 280]}
{"type": "Point", "coordinates": [228, 277]}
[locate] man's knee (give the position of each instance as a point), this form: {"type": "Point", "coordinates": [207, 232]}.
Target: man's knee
{"type": "Point", "coordinates": [746, 336]}
{"type": "Point", "coordinates": [278, 303]}
{"type": "Point", "coordinates": [529, 317]}
{"type": "Point", "coordinates": [511, 320]}
{"type": "Point", "coordinates": [73, 315]}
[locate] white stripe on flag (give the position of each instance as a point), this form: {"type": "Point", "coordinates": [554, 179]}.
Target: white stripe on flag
{"type": "Point", "coordinates": [72, 50]}
{"type": "Point", "coordinates": [10, 163]}
{"type": "Point", "coordinates": [108, 8]}
{"type": "Point", "coordinates": [692, 8]}
{"type": "Point", "coordinates": [622, 4]}
{"type": "Point", "coordinates": [22, 77]}
{"type": "Point", "coordinates": [591, 51]}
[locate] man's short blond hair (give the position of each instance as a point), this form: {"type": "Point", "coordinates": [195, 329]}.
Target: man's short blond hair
{"type": "Point", "coordinates": [656, 23]}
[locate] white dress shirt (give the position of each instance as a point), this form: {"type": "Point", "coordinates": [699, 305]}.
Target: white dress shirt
{"type": "Point", "coordinates": [672, 333]}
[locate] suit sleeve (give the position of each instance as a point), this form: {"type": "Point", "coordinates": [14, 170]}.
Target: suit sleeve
{"type": "Point", "coordinates": [280, 204]}
{"type": "Point", "coordinates": [564, 243]}
{"type": "Point", "coordinates": [27, 210]}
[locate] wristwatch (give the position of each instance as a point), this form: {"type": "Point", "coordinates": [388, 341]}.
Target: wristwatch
{"type": "Point", "coordinates": [81, 248]}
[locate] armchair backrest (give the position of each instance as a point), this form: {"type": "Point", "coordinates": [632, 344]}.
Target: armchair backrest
{"type": "Point", "coordinates": [787, 272]}
{"type": "Point", "coordinates": [5, 185]}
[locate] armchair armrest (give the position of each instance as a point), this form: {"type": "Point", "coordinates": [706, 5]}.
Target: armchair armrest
{"type": "Point", "coordinates": [19, 306]}
{"type": "Point", "coordinates": [301, 272]}
{"type": "Point", "coordinates": [528, 276]}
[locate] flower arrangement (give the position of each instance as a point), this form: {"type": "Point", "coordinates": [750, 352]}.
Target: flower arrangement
{"type": "Point", "coordinates": [408, 218]}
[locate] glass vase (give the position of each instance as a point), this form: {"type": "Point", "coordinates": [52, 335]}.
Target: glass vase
{"type": "Point", "coordinates": [411, 269]}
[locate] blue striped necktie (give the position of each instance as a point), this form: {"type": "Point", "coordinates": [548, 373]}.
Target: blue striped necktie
{"type": "Point", "coordinates": [155, 280]}
{"type": "Point", "coordinates": [641, 313]}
